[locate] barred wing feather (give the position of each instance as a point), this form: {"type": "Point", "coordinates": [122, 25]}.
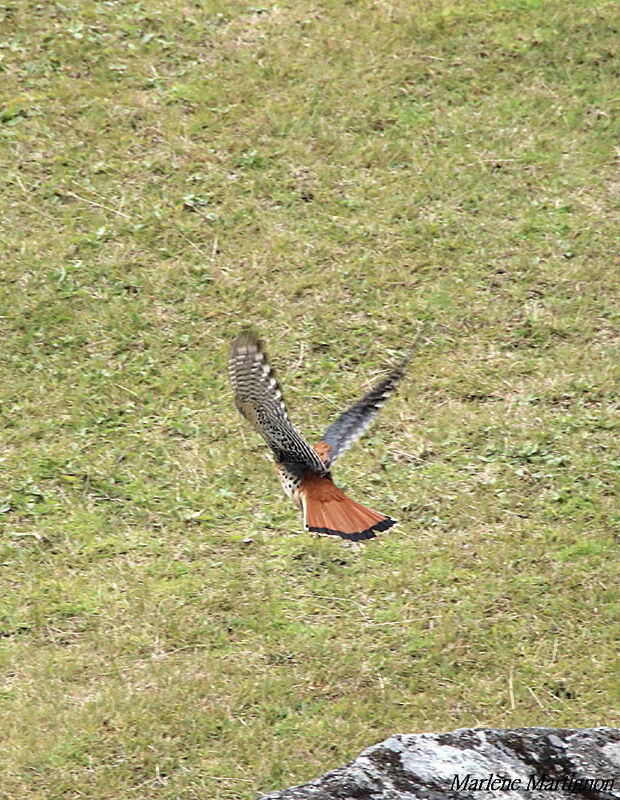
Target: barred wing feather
{"type": "Point", "coordinates": [259, 399]}
{"type": "Point", "coordinates": [355, 420]}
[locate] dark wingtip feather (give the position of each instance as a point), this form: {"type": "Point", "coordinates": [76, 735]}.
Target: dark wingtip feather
{"type": "Point", "coordinates": [358, 536]}
{"type": "Point", "coordinates": [244, 338]}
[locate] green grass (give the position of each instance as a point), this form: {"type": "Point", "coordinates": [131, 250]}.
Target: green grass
{"type": "Point", "coordinates": [335, 174]}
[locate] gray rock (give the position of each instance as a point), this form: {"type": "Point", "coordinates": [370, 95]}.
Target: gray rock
{"type": "Point", "coordinates": [477, 764]}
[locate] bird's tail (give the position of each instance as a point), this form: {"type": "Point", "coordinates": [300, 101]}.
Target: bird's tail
{"type": "Point", "coordinates": [326, 509]}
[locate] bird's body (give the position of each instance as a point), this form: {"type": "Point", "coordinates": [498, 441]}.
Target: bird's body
{"type": "Point", "coordinates": [304, 471]}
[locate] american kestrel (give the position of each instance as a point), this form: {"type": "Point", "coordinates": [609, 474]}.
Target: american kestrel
{"type": "Point", "coordinates": [304, 471]}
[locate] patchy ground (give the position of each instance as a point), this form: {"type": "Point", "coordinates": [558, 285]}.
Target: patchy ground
{"type": "Point", "coordinates": [335, 174]}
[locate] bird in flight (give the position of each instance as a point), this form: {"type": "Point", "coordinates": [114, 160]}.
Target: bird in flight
{"type": "Point", "coordinates": [304, 471]}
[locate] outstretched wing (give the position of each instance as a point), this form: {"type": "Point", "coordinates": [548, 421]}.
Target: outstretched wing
{"type": "Point", "coordinates": [259, 400]}
{"type": "Point", "coordinates": [351, 425]}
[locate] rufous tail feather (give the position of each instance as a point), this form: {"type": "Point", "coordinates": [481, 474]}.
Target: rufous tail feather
{"type": "Point", "coordinates": [328, 510]}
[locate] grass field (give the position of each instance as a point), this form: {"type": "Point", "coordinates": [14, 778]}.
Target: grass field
{"type": "Point", "coordinates": [336, 174]}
